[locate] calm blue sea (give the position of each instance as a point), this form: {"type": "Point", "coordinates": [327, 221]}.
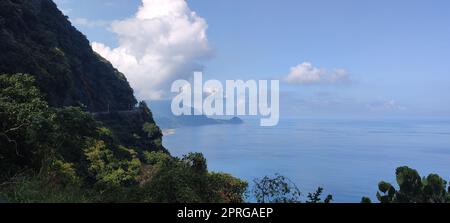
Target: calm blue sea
{"type": "Point", "coordinates": [348, 157]}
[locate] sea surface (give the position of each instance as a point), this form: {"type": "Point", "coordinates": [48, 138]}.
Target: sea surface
{"type": "Point", "coordinates": [347, 157]}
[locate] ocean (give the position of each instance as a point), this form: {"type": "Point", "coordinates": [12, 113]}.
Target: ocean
{"type": "Point", "coordinates": [347, 157]}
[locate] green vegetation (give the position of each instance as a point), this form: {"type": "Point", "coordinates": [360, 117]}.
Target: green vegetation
{"type": "Point", "coordinates": [187, 180]}
{"type": "Point", "coordinates": [413, 188]}
{"type": "Point", "coordinates": [66, 155]}
{"type": "Point", "coordinates": [70, 131]}
{"type": "Point", "coordinates": [36, 38]}
{"type": "Point", "coordinates": [279, 189]}
{"type": "Point", "coordinates": [133, 128]}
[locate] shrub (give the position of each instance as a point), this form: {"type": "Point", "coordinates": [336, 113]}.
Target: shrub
{"type": "Point", "coordinates": [414, 189]}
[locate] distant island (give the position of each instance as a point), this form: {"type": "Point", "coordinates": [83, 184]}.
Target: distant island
{"type": "Point", "coordinates": [166, 120]}
{"type": "Point", "coordinates": [72, 130]}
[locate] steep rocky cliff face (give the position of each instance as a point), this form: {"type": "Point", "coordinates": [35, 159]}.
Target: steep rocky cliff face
{"type": "Point", "coordinates": [112, 152]}
{"type": "Point", "coordinates": [36, 38]}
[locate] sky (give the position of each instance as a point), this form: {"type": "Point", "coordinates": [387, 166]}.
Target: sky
{"type": "Point", "coordinates": [333, 57]}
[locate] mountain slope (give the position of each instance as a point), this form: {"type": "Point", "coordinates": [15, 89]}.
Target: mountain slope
{"type": "Point", "coordinates": [36, 38]}
{"type": "Point", "coordinates": [87, 141]}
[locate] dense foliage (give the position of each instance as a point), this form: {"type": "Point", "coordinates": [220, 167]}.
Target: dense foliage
{"type": "Point", "coordinates": [36, 38]}
{"type": "Point", "coordinates": [133, 128]}
{"type": "Point", "coordinates": [413, 188]}
{"type": "Point", "coordinates": [66, 155]}
{"type": "Point", "coordinates": [24, 121]}
{"type": "Point", "coordinates": [70, 131]}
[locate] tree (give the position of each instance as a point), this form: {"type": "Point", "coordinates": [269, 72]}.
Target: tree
{"type": "Point", "coordinates": [25, 120]}
{"type": "Point", "coordinates": [72, 130]}
{"type": "Point", "coordinates": [315, 197]}
{"type": "Point", "coordinates": [366, 200]}
{"type": "Point", "coordinates": [108, 170]}
{"type": "Point", "coordinates": [175, 180]}
{"type": "Point", "coordinates": [277, 189]}
{"type": "Point", "coordinates": [226, 188]}
{"type": "Point", "coordinates": [414, 189]}
{"type": "Point", "coordinates": [196, 161]}
{"type": "Point", "coordinates": [65, 154]}
{"type": "Point", "coordinates": [280, 189]}
{"type": "Point", "coordinates": [152, 130]}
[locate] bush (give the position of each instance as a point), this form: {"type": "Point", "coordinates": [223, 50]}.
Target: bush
{"type": "Point", "coordinates": [174, 180]}
{"type": "Point", "coordinates": [110, 172]}
{"type": "Point", "coordinates": [25, 119]}
{"type": "Point", "coordinates": [40, 188]}
{"type": "Point", "coordinates": [277, 189]}
{"type": "Point", "coordinates": [66, 155]}
{"type": "Point", "coordinates": [226, 188]}
{"type": "Point", "coordinates": [414, 189]}
{"type": "Point", "coordinates": [280, 189]}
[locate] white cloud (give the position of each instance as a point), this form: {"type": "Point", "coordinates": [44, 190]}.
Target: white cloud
{"type": "Point", "coordinates": [163, 42]}
{"type": "Point", "coordinates": [306, 73]}
{"type": "Point", "coordinates": [385, 105]}
{"type": "Point", "coordinates": [90, 23]}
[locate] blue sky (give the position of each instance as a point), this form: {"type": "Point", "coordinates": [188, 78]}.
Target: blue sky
{"type": "Point", "coordinates": [395, 54]}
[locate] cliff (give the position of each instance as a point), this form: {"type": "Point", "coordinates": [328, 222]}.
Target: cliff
{"type": "Point", "coordinates": [70, 128]}
{"type": "Point", "coordinates": [36, 38]}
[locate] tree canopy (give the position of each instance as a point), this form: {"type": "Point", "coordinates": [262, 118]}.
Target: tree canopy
{"type": "Point", "coordinates": [412, 188]}
{"type": "Point", "coordinates": [66, 155]}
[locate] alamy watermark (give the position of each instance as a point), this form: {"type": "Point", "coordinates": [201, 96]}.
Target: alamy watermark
{"type": "Point", "coordinates": [237, 98]}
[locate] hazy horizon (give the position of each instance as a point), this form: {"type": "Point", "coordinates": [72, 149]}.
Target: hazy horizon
{"type": "Point", "coordinates": [334, 58]}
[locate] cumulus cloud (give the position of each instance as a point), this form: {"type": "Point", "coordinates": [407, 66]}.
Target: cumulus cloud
{"type": "Point", "coordinates": [163, 42]}
{"type": "Point", "coordinates": [306, 73]}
